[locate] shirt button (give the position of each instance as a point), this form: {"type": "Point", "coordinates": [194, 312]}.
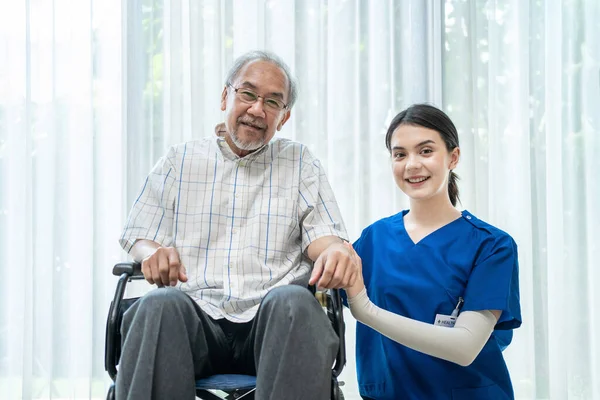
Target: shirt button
{"type": "Point", "coordinates": [468, 217]}
{"type": "Point", "coordinates": [234, 231]}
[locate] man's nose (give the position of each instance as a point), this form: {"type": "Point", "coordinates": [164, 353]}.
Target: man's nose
{"type": "Point", "coordinates": [257, 108]}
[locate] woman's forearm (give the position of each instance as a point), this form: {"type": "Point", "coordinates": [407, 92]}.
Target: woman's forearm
{"type": "Point", "coordinates": [460, 344]}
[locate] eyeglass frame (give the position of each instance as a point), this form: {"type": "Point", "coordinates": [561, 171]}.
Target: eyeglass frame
{"type": "Point", "coordinates": [285, 106]}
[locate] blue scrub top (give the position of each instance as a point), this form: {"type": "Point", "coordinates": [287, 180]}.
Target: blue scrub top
{"type": "Point", "coordinates": [467, 258]}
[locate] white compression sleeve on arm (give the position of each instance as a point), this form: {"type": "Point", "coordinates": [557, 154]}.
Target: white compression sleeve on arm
{"type": "Point", "coordinates": [460, 344]}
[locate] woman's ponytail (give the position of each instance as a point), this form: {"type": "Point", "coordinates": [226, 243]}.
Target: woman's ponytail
{"type": "Point", "coordinates": [453, 188]}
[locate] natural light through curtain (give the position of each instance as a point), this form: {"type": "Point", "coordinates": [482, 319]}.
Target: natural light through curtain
{"type": "Point", "coordinates": [61, 184]}
{"type": "Point", "coordinates": [92, 92]}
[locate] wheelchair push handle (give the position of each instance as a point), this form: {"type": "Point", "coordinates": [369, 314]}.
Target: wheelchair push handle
{"type": "Point", "coordinates": [132, 269]}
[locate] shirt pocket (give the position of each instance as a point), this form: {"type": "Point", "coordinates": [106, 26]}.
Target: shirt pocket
{"type": "Point", "coordinates": [490, 392]}
{"type": "Point", "coordinates": [275, 230]}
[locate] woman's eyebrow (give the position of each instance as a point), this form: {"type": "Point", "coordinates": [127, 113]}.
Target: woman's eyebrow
{"type": "Point", "coordinates": [423, 143]}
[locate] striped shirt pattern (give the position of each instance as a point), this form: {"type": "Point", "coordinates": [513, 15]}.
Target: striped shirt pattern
{"type": "Point", "coordinates": [240, 225]}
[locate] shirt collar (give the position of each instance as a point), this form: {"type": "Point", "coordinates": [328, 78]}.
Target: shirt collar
{"type": "Point", "coordinates": [230, 155]}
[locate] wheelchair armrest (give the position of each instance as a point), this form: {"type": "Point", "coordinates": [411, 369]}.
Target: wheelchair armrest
{"type": "Point", "coordinates": [132, 269]}
{"type": "Point", "coordinates": [323, 298]}
{"type": "Point", "coordinates": [126, 271]}
{"type": "Point", "coordinates": [337, 311]}
{"type": "Point", "coordinates": [332, 301]}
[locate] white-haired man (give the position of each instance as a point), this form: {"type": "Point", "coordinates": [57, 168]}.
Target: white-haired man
{"type": "Point", "coordinates": [229, 227]}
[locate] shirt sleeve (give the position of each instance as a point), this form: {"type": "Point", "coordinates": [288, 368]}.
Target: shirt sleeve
{"type": "Point", "coordinates": [318, 209]}
{"type": "Point", "coordinates": [494, 283]}
{"type": "Point", "coordinates": [151, 216]}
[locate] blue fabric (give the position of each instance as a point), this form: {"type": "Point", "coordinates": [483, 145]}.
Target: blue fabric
{"type": "Point", "coordinates": [227, 382]}
{"type": "Point", "coordinates": [467, 258]}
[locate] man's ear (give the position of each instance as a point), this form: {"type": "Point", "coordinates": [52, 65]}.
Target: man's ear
{"type": "Point", "coordinates": [283, 120]}
{"type": "Point", "coordinates": [454, 157]}
{"type": "Point", "coordinates": [224, 99]}
{"type": "Point", "coordinates": [220, 129]}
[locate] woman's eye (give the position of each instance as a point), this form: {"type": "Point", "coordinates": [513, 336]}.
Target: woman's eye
{"type": "Point", "coordinates": [426, 151]}
{"type": "Point", "coordinates": [398, 155]}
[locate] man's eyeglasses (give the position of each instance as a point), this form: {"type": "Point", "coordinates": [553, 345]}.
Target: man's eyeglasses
{"type": "Point", "coordinates": [250, 97]}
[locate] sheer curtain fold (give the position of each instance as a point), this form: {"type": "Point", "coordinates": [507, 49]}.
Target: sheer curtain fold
{"type": "Point", "coordinates": [92, 93]}
{"type": "Point", "coordinates": [60, 167]}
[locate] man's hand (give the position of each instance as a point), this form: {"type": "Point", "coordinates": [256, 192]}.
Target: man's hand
{"type": "Point", "coordinates": [164, 267]}
{"type": "Point", "coordinates": [335, 267]}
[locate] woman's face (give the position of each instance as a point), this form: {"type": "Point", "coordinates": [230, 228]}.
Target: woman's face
{"type": "Point", "coordinates": [420, 162]}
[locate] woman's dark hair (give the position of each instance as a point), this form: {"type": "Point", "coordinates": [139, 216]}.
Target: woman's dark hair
{"type": "Point", "coordinates": [429, 117]}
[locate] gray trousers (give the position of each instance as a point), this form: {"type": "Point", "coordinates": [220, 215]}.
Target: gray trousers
{"type": "Point", "coordinates": [169, 342]}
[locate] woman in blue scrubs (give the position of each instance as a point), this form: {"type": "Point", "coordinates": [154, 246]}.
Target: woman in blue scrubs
{"type": "Point", "coordinates": [439, 296]}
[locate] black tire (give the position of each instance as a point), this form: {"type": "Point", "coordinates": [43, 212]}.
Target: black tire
{"type": "Point", "coordinates": [111, 392]}
{"type": "Point", "coordinates": [336, 392]}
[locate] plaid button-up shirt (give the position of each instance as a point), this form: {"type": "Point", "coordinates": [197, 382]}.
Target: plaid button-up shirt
{"type": "Point", "coordinates": [240, 225]}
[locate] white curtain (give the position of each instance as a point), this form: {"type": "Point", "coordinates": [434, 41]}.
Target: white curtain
{"type": "Point", "coordinates": [92, 92]}
{"type": "Point", "coordinates": [61, 193]}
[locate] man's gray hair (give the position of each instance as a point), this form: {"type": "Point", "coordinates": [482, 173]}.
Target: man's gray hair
{"type": "Point", "coordinates": [259, 55]}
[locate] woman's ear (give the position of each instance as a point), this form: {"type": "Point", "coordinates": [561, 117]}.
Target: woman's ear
{"type": "Point", "coordinates": [454, 158]}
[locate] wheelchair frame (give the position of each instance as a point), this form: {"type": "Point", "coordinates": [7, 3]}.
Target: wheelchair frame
{"type": "Point", "coordinates": [128, 271]}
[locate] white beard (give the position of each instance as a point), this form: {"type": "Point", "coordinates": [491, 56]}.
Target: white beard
{"type": "Point", "coordinates": [248, 146]}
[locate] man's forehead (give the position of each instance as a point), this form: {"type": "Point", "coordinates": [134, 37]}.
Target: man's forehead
{"type": "Point", "coordinates": [263, 75]}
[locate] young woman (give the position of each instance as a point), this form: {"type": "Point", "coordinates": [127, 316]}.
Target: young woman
{"type": "Point", "coordinates": [440, 294]}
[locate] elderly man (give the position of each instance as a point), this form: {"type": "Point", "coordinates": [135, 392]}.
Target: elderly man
{"type": "Point", "coordinates": [229, 227]}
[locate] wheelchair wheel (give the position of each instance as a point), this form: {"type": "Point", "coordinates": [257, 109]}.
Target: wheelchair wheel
{"type": "Point", "coordinates": [336, 392]}
{"type": "Point", "coordinates": [111, 392]}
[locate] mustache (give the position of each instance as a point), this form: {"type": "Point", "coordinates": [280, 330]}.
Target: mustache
{"type": "Point", "coordinates": [252, 121]}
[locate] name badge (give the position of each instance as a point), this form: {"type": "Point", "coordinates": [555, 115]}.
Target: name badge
{"type": "Point", "coordinates": [445, 320]}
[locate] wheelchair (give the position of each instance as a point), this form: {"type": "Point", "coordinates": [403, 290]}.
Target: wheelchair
{"type": "Point", "coordinates": [231, 386]}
